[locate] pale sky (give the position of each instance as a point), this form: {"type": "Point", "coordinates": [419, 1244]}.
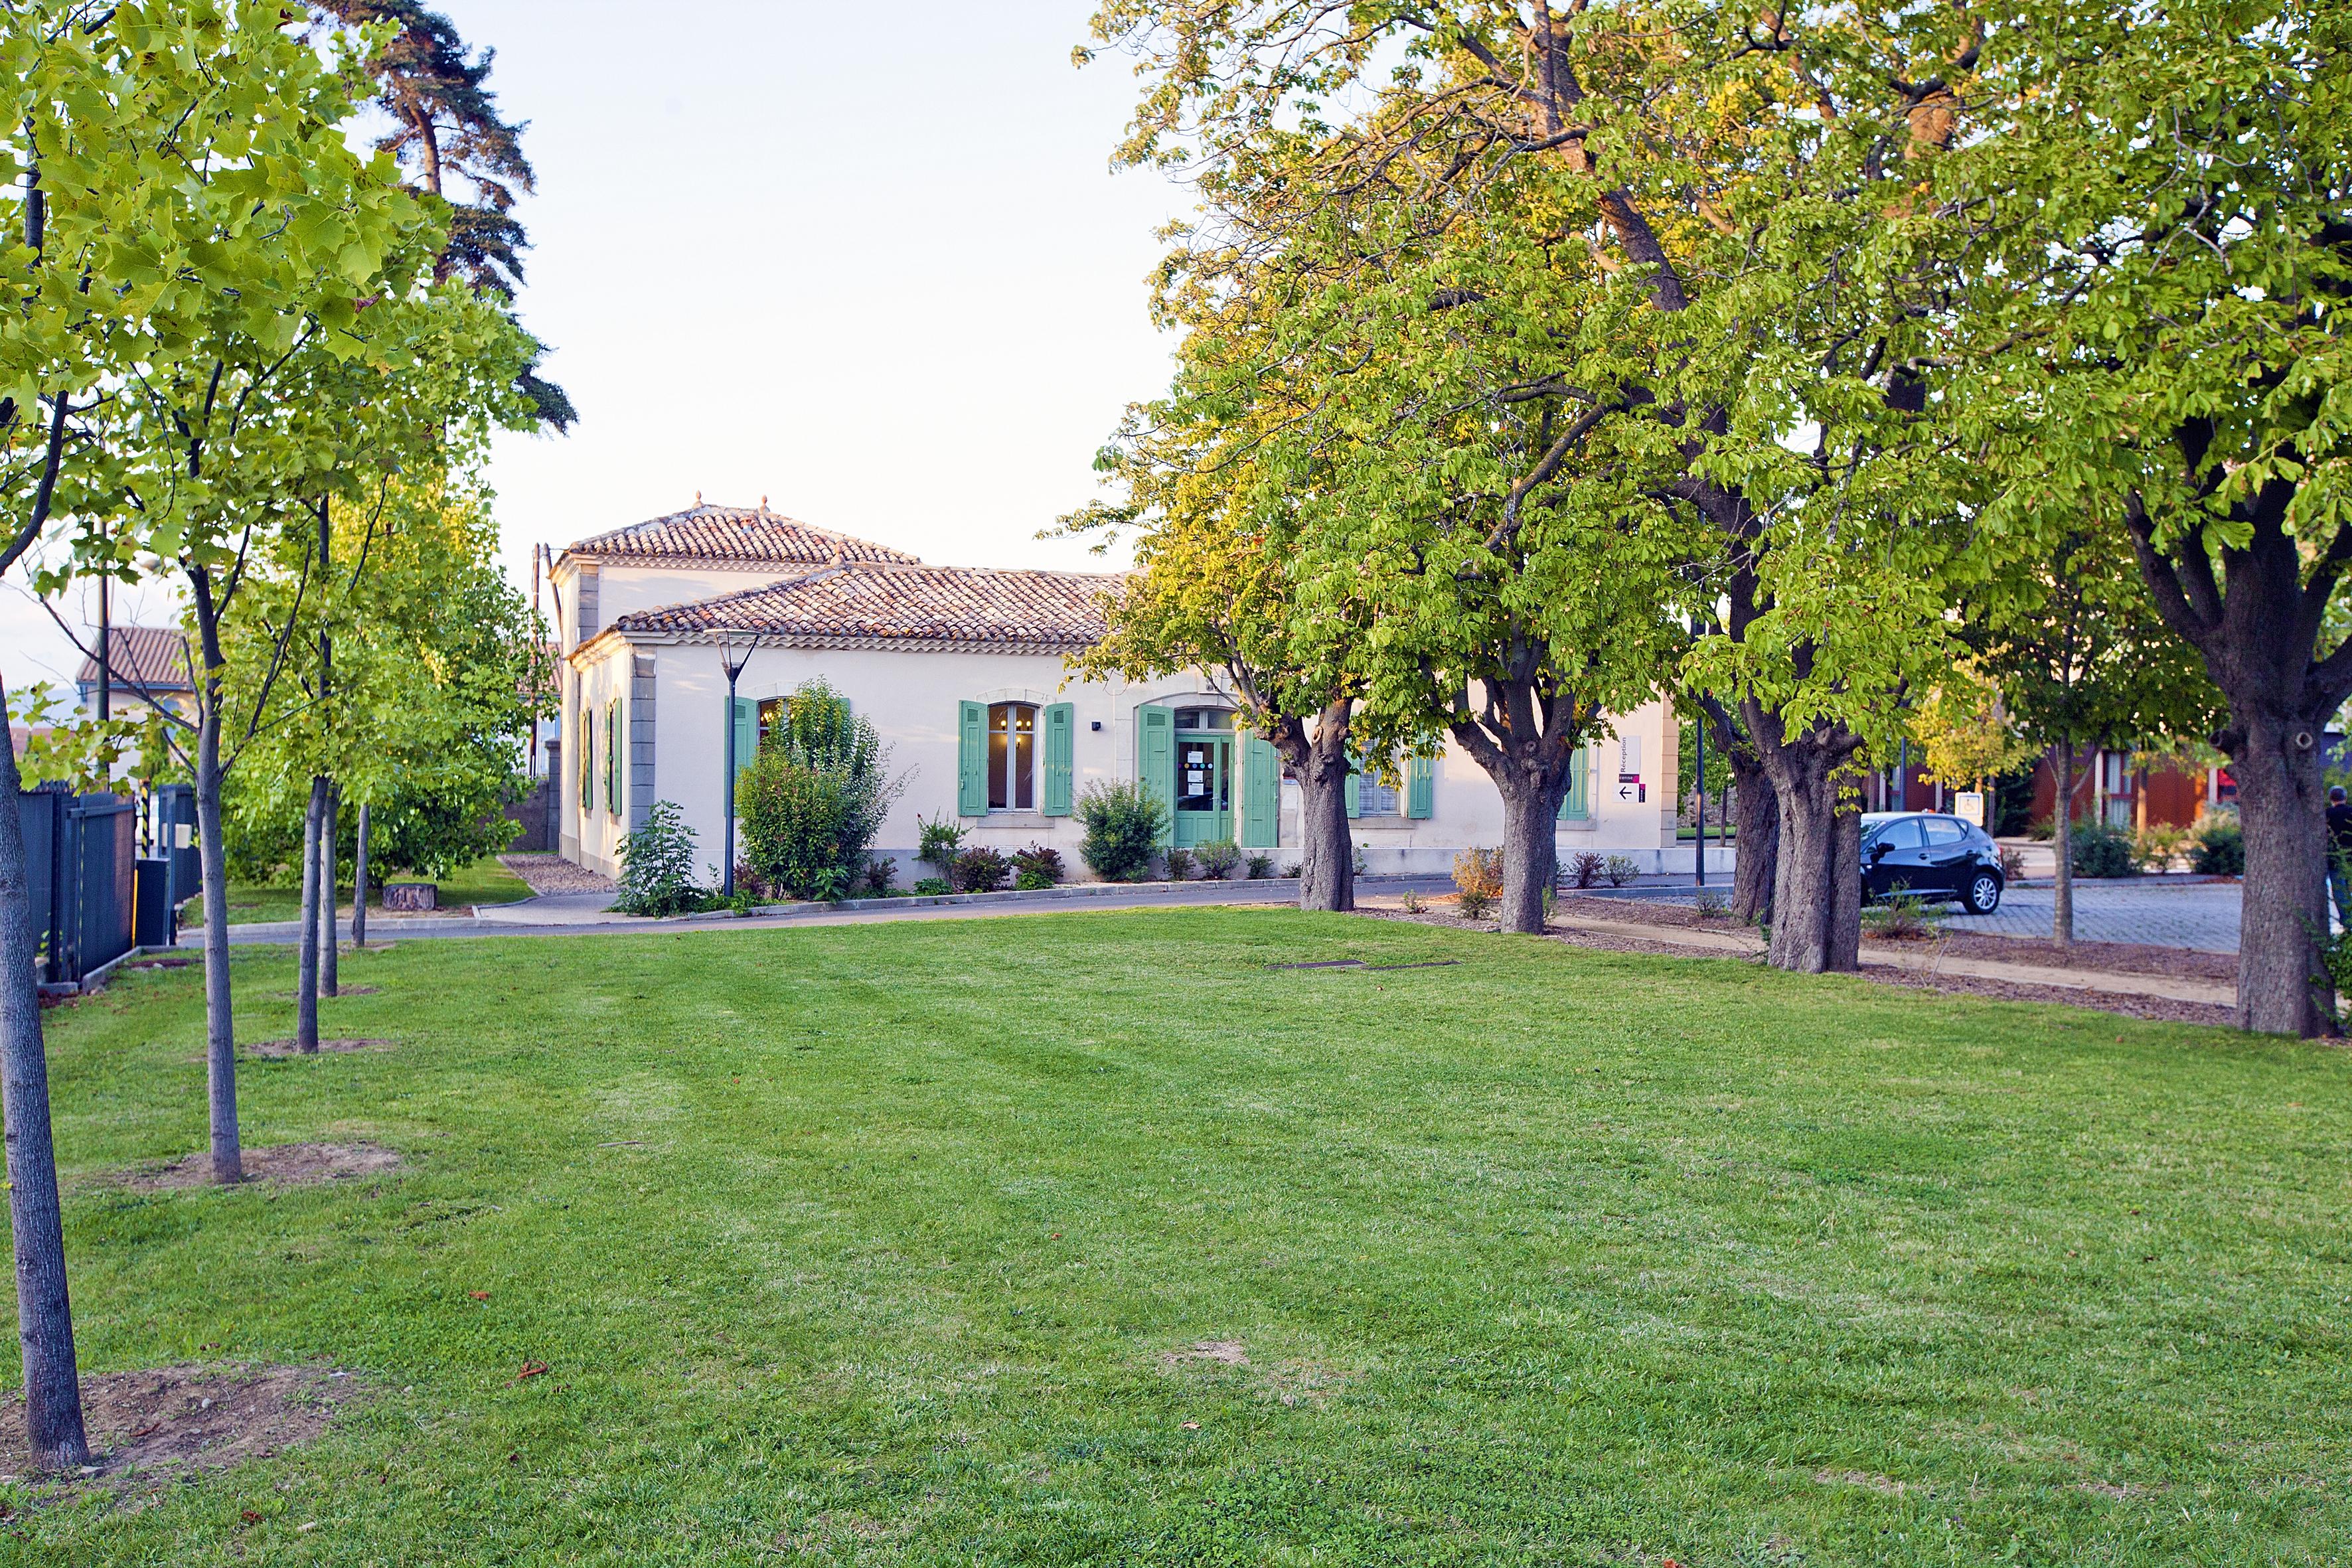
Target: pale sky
{"type": "Point", "coordinates": [869, 262]}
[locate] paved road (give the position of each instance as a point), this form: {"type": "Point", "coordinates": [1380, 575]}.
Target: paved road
{"type": "Point", "coordinates": [2164, 912]}
{"type": "Point", "coordinates": [2202, 915]}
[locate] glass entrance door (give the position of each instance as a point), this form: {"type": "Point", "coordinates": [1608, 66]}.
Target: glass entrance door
{"type": "Point", "coordinates": [1204, 788]}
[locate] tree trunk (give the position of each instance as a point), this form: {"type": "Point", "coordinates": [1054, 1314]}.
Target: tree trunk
{"type": "Point", "coordinates": [220, 1020]}
{"type": "Point", "coordinates": [358, 882]}
{"type": "Point", "coordinates": [1817, 891]}
{"type": "Point", "coordinates": [329, 983]}
{"type": "Point", "coordinates": [1755, 835]}
{"type": "Point", "coordinates": [1327, 862]}
{"type": "Point", "coordinates": [2062, 843]}
{"type": "Point", "coordinates": [1530, 854]}
{"type": "Point", "coordinates": [1755, 818]}
{"type": "Point", "coordinates": [44, 1313]}
{"type": "Point", "coordinates": [2282, 987]}
{"type": "Point", "coordinates": [306, 983]}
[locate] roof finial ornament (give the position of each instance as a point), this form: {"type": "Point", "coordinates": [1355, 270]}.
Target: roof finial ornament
{"type": "Point", "coordinates": [763, 503]}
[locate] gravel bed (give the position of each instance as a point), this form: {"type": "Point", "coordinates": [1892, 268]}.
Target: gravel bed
{"type": "Point", "coordinates": [555, 874]}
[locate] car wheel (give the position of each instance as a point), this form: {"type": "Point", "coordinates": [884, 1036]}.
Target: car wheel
{"type": "Point", "coordinates": [1984, 893]}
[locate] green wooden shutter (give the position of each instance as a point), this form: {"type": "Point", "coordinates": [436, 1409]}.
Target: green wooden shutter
{"type": "Point", "coordinates": [1355, 790]}
{"type": "Point", "coordinates": [1155, 762]}
{"type": "Point", "coordinates": [747, 732]}
{"type": "Point", "coordinates": [1421, 787]}
{"type": "Point", "coordinates": [1577, 804]}
{"type": "Point", "coordinates": [612, 756]}
{"type": "Point", "coordinates": [971, 760]}
{"type": "Point", "coordinates": [1261, 793]}
{"type": "Point", "coordinates": [1061, 726]}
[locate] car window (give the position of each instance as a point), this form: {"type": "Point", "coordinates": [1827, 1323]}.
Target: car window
{"type": "Point", "coordinates": [1945, 830]}
{"type": "Point", "coordinates": [1903, 833]}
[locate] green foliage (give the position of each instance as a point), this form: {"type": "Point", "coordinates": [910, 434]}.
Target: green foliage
{"type": "Point", "coordinates": [937, 843]}
{"type": "Point", "coordinates": [1586, 868]}
{"type": "Point", "coordinates": [1036, 868]}
{"type": "Point", "coordinates": [880, 871]}
{"type": "Point", "coordinates": [1218, 857]}
{"type": "Point", "coordinates": [2217, 846]}
{"type": "Point", "coordinates": [1178, 864]}
{"type": "Point", "coordinates": [1620, 870]}
{"type": "Point", "coordinates": [657, 865]}
{"type": "Point", "coordinates": [1124, 824]}
{"type": "Point", "coordinates": [815, 795]}
{"type": "Point", "coordinates": [933, 887]}
{"type": "Point", "coordinates": [1261, 867]}
{"type": "Point", "coordinates": [2101, 850]}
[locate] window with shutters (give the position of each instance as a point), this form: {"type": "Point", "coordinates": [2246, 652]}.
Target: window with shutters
{"type": "Point", "coordinates": [613, 757]}
{"type": "Point", "coordinates": [1012, 757]}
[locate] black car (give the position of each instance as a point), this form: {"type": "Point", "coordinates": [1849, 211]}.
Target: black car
{"type": "Point", "coordinates": [1932, 856]}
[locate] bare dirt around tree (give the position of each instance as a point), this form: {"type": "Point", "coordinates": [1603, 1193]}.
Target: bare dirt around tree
{"type": "Point", "coordinates": [181, 1418]}
{"type": "Point", "coordinates": [285, 1164]}
{"type": "Point", "coordinates": [287, 1048]}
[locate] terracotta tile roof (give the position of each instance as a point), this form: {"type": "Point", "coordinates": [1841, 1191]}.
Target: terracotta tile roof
{"type": "Point", "coordinates": [749, 535]}
{"type": "Point", "coordinates": [153, 657]}
{"type": "Point", "coordinates": [861, 604]}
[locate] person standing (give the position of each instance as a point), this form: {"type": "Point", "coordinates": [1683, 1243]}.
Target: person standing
{"type": "Point", "coordinates": [2339, 854]}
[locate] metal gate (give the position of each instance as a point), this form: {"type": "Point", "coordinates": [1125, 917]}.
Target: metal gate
{"type": "Point", "coordinates": [82, 856]}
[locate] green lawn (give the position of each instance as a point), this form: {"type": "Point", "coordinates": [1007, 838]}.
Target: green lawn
{"type": "Point", "coordinates": [888, 1244]}
{"type": "Point", "coordinates": [483, 882]}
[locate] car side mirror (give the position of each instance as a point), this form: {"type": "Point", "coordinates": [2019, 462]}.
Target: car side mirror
{"type": "Point", "coordinates": [1878, 851]}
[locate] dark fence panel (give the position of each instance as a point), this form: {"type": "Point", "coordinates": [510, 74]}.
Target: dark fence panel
{"type": "Point", "coordinates": [82, 857]}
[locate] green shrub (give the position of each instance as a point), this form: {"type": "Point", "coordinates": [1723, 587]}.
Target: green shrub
{"type": "Point", "coordinates": [1621, 870]}
{"type": "Point", "coordinates": [1586, 869]}
{"type": "Point", "coordinates": [1218, 858]}
{"type": "Point", "coordinates": [1179, 865]}
{"type": "Point", "coordinates": [815, 795]}
{"type": "Point", "coordinates": [1261, 867]}
{"type": "Point", "coordinates": [1037, 867]}
{"type": "Point", "coordinates": [980, 870]}
{"type": "Point", "coordinates": [657, 866]}
{"type": "Point", "coordinates": [2217, 846]}
{"type": "Point", "coordinates": [2100, 850]}
{"type": "Point", "coordinates": [879, 873]}
{"type": "Point", "coordinates": [932, 886]}
{"type": "Point", "coordinates": [937, 844]}
{"type": "Point", "coordinates": [1904, 917]}
{"type": "Point", "coordinates": [1123, 824]}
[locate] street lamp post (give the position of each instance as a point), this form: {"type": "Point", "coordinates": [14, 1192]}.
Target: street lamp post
{"type": "Point", "coordinates": [734, 652]}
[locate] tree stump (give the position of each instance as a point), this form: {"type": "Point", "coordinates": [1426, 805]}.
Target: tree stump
{"type": "Point", "coordinates": [410, 896]}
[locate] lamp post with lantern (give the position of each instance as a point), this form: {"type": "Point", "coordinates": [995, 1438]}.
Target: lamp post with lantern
{"type": "Point", "coordinates": [735, 647]}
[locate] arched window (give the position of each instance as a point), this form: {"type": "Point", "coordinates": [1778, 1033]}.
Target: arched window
{"type": "Point", "coordinates": [1012, 757]}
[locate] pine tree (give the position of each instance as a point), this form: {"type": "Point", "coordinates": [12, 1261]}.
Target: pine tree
{"type": "Point", "coordinates": [446, 128]}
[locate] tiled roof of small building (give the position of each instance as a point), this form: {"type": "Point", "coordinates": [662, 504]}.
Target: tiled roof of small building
{"type": "Point", "coordinates": [859, 605]}
{"type": "Point", "coordinates": [753, 535]}
{"type": "Point", "coordinates": [156, 658]}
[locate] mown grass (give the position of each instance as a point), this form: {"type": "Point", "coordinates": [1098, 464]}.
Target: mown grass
{"type": "Point", "coordinates": [483, 882]}
{"type": "Point", "coordinates": [888, 1244]}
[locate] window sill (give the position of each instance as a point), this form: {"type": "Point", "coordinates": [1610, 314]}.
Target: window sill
{"type": "Point", "coordinates": [1014, 819]}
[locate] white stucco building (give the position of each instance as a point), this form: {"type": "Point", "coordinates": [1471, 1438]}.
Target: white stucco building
{"type": "Point", "coordinates": [962, 670]}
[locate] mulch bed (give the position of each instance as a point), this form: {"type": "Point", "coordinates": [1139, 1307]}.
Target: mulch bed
{"type": "Point", "coordinates": [286, 1047]}
{"type": "Point", "coordinates": [285, 1165]}
{"type": "Point", "coordinates": [180, 1418]}
{"type": "Point", "coordinates": [555, 874]}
